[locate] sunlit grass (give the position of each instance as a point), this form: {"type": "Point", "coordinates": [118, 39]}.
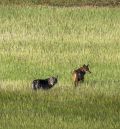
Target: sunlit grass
{"type": "Point", "coordinates": [38, 42]}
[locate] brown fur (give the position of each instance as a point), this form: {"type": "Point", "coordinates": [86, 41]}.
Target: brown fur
{"type": "Point", "coordinates": [78, 74]}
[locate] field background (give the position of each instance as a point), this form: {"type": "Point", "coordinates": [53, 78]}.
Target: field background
{"type": "Point", "coordinates": [41, 41]}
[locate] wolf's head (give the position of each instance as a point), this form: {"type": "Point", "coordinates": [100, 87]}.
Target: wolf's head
{"type": "Point", "coordinates": [86, 68]}
{"type": "Point", "coordinates": [53, 80]}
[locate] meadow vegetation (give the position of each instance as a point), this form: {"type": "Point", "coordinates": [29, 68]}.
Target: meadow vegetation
{"type": "Point", "coordinates": [41, 41]}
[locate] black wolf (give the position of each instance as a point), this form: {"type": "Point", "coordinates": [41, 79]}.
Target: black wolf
{"type": "Point", "coordinates": [78, 74]}
{"type": "Point", "coordinates": [44, 83]}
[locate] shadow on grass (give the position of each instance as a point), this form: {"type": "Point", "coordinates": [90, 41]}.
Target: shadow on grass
{"type": "Point", "coordinates": [64, 3]}
{"type": "Point", "coordinates": [87, 106]}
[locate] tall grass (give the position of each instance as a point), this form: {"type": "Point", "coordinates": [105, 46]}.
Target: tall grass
{"type": "Point", "coordinates": [37, 42]}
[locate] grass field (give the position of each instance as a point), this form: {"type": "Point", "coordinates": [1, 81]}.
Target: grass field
{"type": "Point", "coordinates": [41, 41]}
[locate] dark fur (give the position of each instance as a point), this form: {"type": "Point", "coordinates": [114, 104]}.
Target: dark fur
{"type": "Point", "coordinates": [78, 74]}
{"type": "Point", "coordinates": [44, 83]}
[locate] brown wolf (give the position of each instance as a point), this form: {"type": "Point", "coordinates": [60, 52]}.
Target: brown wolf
{"type": "Point", "coordinates": [78, 74]}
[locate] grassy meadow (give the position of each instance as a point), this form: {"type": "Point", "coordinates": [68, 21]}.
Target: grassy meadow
{"type": "Point", "coordinates": [41, 41]}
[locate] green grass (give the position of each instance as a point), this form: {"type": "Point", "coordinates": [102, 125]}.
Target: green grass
{"type": "Point", "coordinates": [60, 110]}
{"type": "Point", "coordinates": [38, 42]}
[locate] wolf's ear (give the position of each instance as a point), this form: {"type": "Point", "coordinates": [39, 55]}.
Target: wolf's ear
{"type": "Point", "coordinates": [57, 76]}
{"type": "Point", "coordinates": [87, 65]}
{"type": "Point", "coordinates": [84, 65]}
